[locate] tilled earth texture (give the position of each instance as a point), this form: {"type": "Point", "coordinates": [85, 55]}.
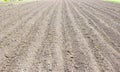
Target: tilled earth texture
{"type": "Point", "coordinates": [60, 36]}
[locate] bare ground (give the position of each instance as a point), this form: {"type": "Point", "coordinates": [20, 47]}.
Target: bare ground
{"type": "Point", "coordinates": [60, 36]}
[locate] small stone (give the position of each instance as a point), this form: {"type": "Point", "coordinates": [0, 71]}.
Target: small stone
{"type": "Point", "coordinates": [6, 56]}
{"type": "Point", "coordinates": [50, 69]}
{"type": "Point", "coordinates": [71, 57]}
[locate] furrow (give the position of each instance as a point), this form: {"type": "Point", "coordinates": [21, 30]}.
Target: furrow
{"type": "Point", "coordinates": [18, 47]}
{"type": "Point", "coordinates": [84, 60]}
{"type": "Point", "coordinates": [107, 35]}
{"type": "Point", "coordinates": [43, 56]}
{"type": "Point", "coordinates": [102, 47]}
{"type": "Point", "coordinates": [110, 33]}
{"type": "Point", "coordinates": [7, 23]}
{"type": "Point", "coordinates": [105, 19]}
{"type": "Point", "coordinates": [17, 24]}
